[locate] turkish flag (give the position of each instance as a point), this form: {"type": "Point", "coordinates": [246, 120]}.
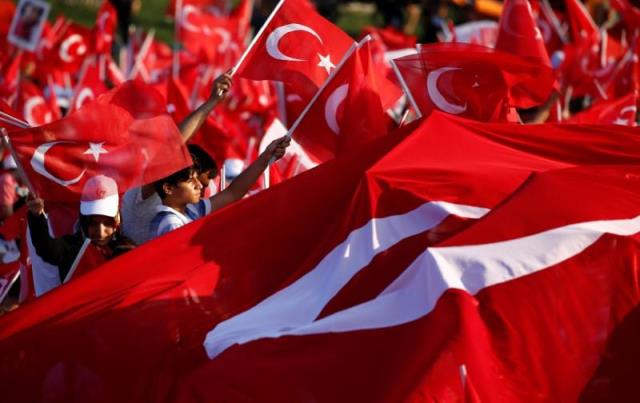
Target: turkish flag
{"type": "Point", "coordinates": [391, 37]}
{"type": "Point", "coordinates": [474, 81]}
{"type": "Point", "coordinates": [177, 99]}
{"type": "Point", "coordinates": [89, 85]}
{"type": "Point", "coordinates": [621, 111]}
{"type": "Point", "coordinates": [33, 105]}
{"type": "Point", "coordinates": [117, 334]}
{"type": "Point", "coordinates": [549, 23]}
{"type": "Point", "coordinates": [625, 76]}
{"type": "Point", "coordinates": [241, 19]}
{"type": "Point", "coordinates": [215, 7]}
{"type": "Point", "coordinates": [10, 74]}
{"type": "Point", "coordinates": [510, 277]}
{"type": "Point", "coordinates": [203, 33]}
{"type": "Point", "coordinates": [629, 13]}
{"type": "Point", "coordinates": [349, 110]}
{"type": "Point", "coordinates": [125, 134]}
{"type": "Point", "coordinates": [70, 49]}
{"type": "Point", "coordinates": [519, 34]}
{"type": "Point", "coordinates": [106, 22]}
{"type": "Point", "coordinates": [297, 47]}
{"type": "Point", "coordinates": [583, 28]}
{"type": "Point", "coordinates": [89, 258]}
{"type": "Point", "coordinates": [14, 228]}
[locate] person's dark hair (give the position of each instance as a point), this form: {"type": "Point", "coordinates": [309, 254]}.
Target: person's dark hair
{"type": "Point", "coordinates": [173, 179]}
{"type": "Point", "coordinates": [202, 161]}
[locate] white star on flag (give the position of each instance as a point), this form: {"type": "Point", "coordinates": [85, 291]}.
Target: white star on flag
{"type": "Point", "coordinates": [325, 63]}
{"type": "Point", "coordinates": [95, 149]}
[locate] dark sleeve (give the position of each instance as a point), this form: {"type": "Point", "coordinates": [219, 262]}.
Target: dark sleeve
{"type": "Point", "coordinates": [49, 249]}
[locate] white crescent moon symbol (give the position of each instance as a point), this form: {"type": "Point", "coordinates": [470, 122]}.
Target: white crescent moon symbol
{"type": "Point", "coordinates": [436, 96]}
{"type": "Point", "coordinates": [225, 36]}
{"type": "Point", "coordinates": [66, 45]}
{"type": "Point", "coordinates": [184, 21]}
{"type": "Point", "coordinates": [274, 39]}
{"type": "Point", "coordinates": [84, 95]}
{"type": "Point", "coordinates": [332, 105]}
{"type": "Point", "coordinates": [27, 110]}
{"type": "Point", "coordinates": [507, 19]}
{"type": "Point", "coordinates": [37, 163]}
{"type": "Point", "coordinates": [628, 109]}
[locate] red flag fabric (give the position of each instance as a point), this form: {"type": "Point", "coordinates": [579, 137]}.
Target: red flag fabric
{"type": "Point", "coordinates": [177, 99]}
{"type": "Point", "coordinates": [89, 86]}
{"type": "Point", "coordinates": [519, 34]}
{"type": "Point", "coordinates": [297, 46]}
{"type": "Point", "coordinates": [201, 32]}
{"type": "Point", "coordinates": [583, 28]}
{"type": "Point", "coordinates": [106, 22]}
{"type": "Point", "coordinates": [629, 13]}
{"type": "Point", "coordinates": [90, 258]}
{"type": "Point", "coordinates": [10, 119]}
{"type": "Point", "coordinates": [182, 288]}
{"type": "Point", "coordinates": [494, 284]}
{"type": "Point", "coordinates": [474, 81]}
{"type": "Point", "coordinates": [349, 110]}
{"type": "Point", "coordinates": [34, 107]}
{"type": "Point", "coordinates": [621, 111]}
{"type": "Point", "coordinates": [125, 134]}
{"type": "Point", "coordinates": [549, 23]}
{"type": "Point", "coordinates": [71, 48]}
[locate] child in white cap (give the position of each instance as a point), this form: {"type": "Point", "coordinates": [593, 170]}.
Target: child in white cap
{"type": "Point", "coordinates": [99, 222]}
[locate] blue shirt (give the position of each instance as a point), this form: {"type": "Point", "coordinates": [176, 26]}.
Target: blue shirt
{"type": "Point", "coordinates": [167, 219]}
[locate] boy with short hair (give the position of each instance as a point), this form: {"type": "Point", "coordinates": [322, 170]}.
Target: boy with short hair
{"type": "Point", "coordinates": [180, 192]}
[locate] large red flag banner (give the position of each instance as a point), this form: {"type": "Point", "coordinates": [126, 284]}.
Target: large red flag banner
{"type": "Point", "coordinates": [361, 227]}
{"type": "Point", "coordinates": [125, 134]}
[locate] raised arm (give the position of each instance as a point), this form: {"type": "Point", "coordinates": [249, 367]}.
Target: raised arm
{"type": "Point", "coordinates": [243, 182]}
{"type": "Point", "coordinates": [190, 125]}
{"type": "Point", "coordinates": [50, 250]}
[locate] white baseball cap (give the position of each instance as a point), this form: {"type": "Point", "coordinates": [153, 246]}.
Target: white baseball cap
{"type": "Point", "coordinates": [99, 197]}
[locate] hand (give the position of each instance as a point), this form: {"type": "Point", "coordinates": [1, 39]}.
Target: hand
{"type": "Point", "coordinates": [221, 86]}
{"type": "Point", "coordinates": [36, 206]}
{"type": "Point", "coordinates": [277, 148]}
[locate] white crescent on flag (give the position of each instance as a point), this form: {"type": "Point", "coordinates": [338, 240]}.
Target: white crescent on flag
{"type": "Point", "coordinates": [65, 47]}
{"type": "Point", "coordinates": [29, 105]}
{"type": "Point", "coordinates": [84, 95]}
{"type": "Point", "coordinates": [331, 107]}
{"type": "Point", "coordinates": [187, 10]}
{"type": "Point", "coordinates": [274, 38]}
{"type": "Point", "coordinates": [37, 163]}
{"type": "Point", "coordinates": [436, 96]}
